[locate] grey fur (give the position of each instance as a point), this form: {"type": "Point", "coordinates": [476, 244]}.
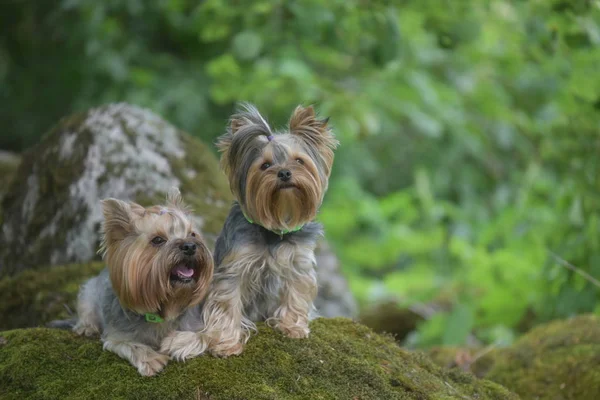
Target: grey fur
{"type": "Point", "coordinates": [238, 232]}
{"type": "Point", "coordinates": [263, 274]}
{"type": "Point", "coordinates": [110, 317]}
{"type": "Point", "coordinates": [122, 331]}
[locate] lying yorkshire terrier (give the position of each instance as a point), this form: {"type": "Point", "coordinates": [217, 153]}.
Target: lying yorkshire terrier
{"type": "Point", "coordinates": [265, 263]}
{"type": "Point", "coordinates": [158, 269]}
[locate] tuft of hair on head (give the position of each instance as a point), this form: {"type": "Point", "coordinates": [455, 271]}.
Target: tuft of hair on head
{"type": "Point", "coordinates": [245, 125]}
{"type": "Point", "coordinates": [175, 200]}
{"type": "Point", "coordinates": [315, 133]}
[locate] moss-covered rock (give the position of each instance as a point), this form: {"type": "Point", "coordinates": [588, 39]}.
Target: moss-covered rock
{"type": "Point", "coordinates": [9, 163]}
{"type": "Point", "coordinates": [555, 361]}
{"type": "Point", "coordinates": [51, 211]}
{"type": "Point", "coordinates": [341, 360]}
{"type": "Point", "coordinates": [36, 297]}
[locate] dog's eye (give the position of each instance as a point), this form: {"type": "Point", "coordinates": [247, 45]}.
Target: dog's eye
{"type": "Point", "coordinates": [158, 240]}
{"type": "Point", "coordinates": [193, 234]}
{"type": "Point", "coordinates": [300, 161]}
{"type": "Point", "coordinates": [265, 166]}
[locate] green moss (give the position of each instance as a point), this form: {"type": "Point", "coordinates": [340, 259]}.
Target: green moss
{"type": "Point", "coordinates": [35, 297]}
{"type": "Point", "coordinates": [341, 360]}
{"type": "Point", "coordinates": [555, 361]}
{"type": "Point", "coordinates": [558, 361]}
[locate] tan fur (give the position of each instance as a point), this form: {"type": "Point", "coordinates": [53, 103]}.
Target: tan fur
{"type": "Point", "coordinates": [257, 277]}
{"type": "Point", "coordinates": [139, 271]}
{"type": "Point", "coordinates": [147, 360]}
{"type": "Point", "coordinates": [304, 124]}
{"type": "Point", "coordinates": [287, 282]}
{"type": "Point", "coordinates": [139, 275]}
{"type": "Point", "coordinates": [276, 208]}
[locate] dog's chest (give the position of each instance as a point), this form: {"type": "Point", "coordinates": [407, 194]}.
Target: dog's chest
{"type": "Point", "coordinates": [272, 265]}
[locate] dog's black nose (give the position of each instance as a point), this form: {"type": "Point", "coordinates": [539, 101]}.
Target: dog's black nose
{"type": "Point", "coordinates": [284, 174]}
{"type": "Point", "coordinates": [188, 248]}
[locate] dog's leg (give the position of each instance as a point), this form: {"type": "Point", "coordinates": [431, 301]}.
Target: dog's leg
{"type": "Point", "coordinates": [224, 332]}
{"type": "Point", "coordinates": [183, 345]}
{"type": "Point", "coordinates": [297, 293]}
{"type": "Point", "coordinates": [224, 322]}
{"type": "Point", "coordinates": [147, 361]}
{"type": "Point", "coordinates": [88, 316]}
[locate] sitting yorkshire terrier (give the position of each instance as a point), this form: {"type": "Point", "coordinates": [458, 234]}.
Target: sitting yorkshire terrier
{"type": "Point", "coordinates": [264, 257]}
{"type": "Point", "coordinates": [158, 269]}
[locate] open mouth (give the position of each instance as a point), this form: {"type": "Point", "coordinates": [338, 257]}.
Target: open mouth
{"type": "Point", "coordinates": [183, 273]}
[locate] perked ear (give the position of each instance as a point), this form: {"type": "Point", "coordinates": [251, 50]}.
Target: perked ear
{"type": "Point", "coordinates": [117, 220]}
{"type": "Point", "coordinates": [316, 132]}
{"type": "Point", "coordinates": [246, 118]}
{"type": "Point", "coordinates": [175, 200]}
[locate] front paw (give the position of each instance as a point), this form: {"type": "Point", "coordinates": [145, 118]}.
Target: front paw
{"type": "Point", "coordinates": [183, 345]}
{"type": "Point", "coordinates": [86, 330]}
{"type": "Point", "coordinates": [152, 364]}
{"type": "Point", "coordinates": [227, 349]}
{"type": "Point", "coordinates": [294, 331]}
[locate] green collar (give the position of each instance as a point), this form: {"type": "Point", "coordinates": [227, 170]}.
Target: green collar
{"type": "Point", "coordinates": [154, 318]}
{"type": "Point", "coordinates": [281, 232]}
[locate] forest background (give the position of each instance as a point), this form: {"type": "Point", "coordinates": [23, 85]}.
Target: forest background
{"type": "Point", "coordinates": [467, 178]}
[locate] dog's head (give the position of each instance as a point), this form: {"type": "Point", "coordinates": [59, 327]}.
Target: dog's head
{"type": "Point", "coordinates": [278, 178]}
{"type": "Point", "coordinates": [157, 261]}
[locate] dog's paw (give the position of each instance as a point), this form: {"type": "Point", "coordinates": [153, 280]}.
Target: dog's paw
{"type": "Point", "coordinates": [294, 331]}
{"type": "Point", "coordinates": [152, 364]}
{"type": "Point", "coordinates": [86, 330]}
{"type": "Point", "coordinates": [183, 345]}
{"type": "Point", "coordinates": [224, 350]}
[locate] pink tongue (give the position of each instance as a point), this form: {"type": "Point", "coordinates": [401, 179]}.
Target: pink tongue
{"type": "Point", "coordinates": [183, 271]}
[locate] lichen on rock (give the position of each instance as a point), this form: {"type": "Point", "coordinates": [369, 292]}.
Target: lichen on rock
{"type": "Point", "coordinates": [341, 360]}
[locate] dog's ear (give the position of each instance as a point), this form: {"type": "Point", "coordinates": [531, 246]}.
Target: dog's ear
{"type": "Point", "coordinates": [246, 123]}
{"type": "Point", "coordinates": [315, 132]}
{"type": "Point", "coordinates": [305, 124]}
{"type": "Point", "coordinates": [118, 217]}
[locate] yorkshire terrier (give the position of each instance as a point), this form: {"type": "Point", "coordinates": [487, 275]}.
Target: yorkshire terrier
{"type": "Point", "coordinates": [264, 257]}
{"type": "Point", "coordinates": [158, 268]}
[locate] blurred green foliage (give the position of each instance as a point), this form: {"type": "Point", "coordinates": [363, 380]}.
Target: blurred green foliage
{"type": "Point", "coordinates": [470, 130]}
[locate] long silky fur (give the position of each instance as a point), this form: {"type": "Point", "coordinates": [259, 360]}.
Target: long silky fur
{"type": "Point", "coordinates": [137, 281]}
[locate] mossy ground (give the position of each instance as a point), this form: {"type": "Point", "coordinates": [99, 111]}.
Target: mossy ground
{"type": "Point", "coordinates": [341, 360]}
{"type": "Point", "coordinates": [555, 361]}
{"type": "Point", "coordinates": [35, 297]}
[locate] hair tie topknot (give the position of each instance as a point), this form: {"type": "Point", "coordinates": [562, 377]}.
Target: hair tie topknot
{"type": "Point", "coordinates": [270, 137]}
